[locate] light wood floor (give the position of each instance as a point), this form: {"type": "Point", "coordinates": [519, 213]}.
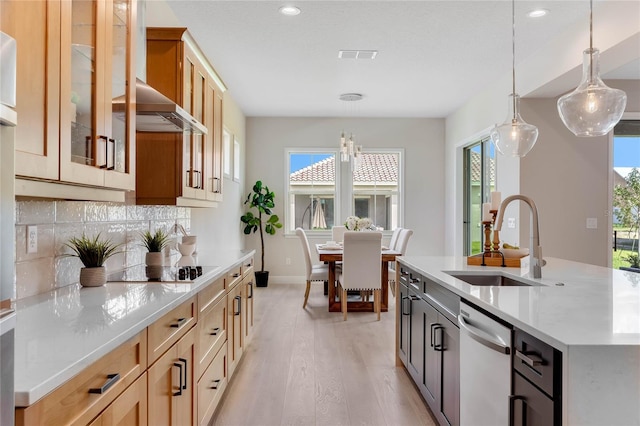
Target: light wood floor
{"type": "Point", "coordinates": [309, 367]}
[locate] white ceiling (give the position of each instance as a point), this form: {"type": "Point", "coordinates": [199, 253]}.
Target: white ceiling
{"type": "Point", "coordinates": [433, 55]}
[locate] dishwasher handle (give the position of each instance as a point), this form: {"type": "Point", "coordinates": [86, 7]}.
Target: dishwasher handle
{"type": "Point", "coordinates": [491, 344]}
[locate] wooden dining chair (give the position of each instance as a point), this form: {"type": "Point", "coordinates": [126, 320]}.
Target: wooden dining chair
{"type": "Point", "coordinates": [361, 269]}
{"type": "Point", "coordinates": [401, 246]}
{"type": "Point", "coordinates": [313, 272]}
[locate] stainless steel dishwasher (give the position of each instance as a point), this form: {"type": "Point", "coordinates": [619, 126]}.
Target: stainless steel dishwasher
{"type": "Point", "coordinates": [485, 369]}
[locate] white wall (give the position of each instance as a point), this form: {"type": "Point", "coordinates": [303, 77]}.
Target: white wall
{"type": "Point", "coordinates": [422, 140]}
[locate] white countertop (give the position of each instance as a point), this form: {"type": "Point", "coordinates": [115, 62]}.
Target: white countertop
{"type": "Point", "coordinates": [595, 306]}
{"type": "Point", "coordinates": [60, 333]}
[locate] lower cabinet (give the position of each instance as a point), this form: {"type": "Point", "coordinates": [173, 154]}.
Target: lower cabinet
{"type": "Point", "coordinates": [129, 409]}
{"type": "Point", "coordinates": [172, 384]}
{"type": "Point", "coordinates": [235, 326]}
{"type": "Point", "coordinates": [211, 386]}
{"type": "Point", "coordinates": [429, 343]}
{"type": "Point", "coordinates": [249, 286]}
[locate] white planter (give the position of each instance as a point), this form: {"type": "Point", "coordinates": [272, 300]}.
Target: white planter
{"type": "Point", "coordinates": [154, 259]}
{"type": "Point", "coordinates": [93, 277]}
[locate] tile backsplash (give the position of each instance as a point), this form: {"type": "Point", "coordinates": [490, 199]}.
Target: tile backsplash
{"type": "Point", "coordinates": [57, 221]}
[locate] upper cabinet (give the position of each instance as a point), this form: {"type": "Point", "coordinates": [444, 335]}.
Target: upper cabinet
{"type": "Point", "coordinates": [74, 58]}
{"type": "Point", "coordinates": [182, 168]}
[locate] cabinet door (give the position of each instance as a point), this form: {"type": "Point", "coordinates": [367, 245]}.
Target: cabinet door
{"type": "Point", "coordinates": [36, 27]}
{"type": "Point", "coordinates": [248, 308]}
{"type": "Point", "coordinates": [88, 145]}
{"type": "Point", "coordinates": [448, 342]}
{"type": "Point", "coordinates": [530, 406]}
{"type": "Point", "coordinates": [432, 358]}
{"type": "Point", "coordinates": [172, 385]}
{"type": "Point", "coordinates": [234, 327]}
{"type": "Point", "coordinates": [403, 324]}
{"type": "Point", "coordinates": [214, 146]}
{"type": "Point", "coordinates": [129, 409]}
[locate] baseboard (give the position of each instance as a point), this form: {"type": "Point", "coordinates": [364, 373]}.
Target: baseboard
{"type": "Point", "coordinates": [287, 279]}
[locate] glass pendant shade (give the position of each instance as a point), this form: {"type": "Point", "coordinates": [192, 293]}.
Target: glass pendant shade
{"type": "Point", "coordinates": [593, 109]}
{"type": "Point", "coordinates": [514, 137]}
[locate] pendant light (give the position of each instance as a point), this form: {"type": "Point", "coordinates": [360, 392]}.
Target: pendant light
{"type": "Point", "coordinates": [593, 109]}
{"type": "Point", "coordinates": [349, 151]}
{"type": "Point", "coordinates": [514, 137]}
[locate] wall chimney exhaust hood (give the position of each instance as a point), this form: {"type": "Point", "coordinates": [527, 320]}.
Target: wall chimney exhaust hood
{"type": "Point", "coordinates": [157, 113]}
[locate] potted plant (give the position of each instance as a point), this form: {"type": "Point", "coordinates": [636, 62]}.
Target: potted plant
{"type": "Point", "coordinates": [634, 262]}
{"type": "Point", "coordinates": [154, 243]}
{"type": "Point", "coordinates": [261, 199]}
{"type": "Point", "coordinates": [93, 252]}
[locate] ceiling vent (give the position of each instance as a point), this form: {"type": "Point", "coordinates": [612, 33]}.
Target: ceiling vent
{"type": "Point", "coordinates": [357, 54]}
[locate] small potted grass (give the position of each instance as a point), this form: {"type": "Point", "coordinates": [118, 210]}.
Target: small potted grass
{"type": "Point", "coordinates": [154, 243]}
{"type": "Point", "coordinates": [93, 252]}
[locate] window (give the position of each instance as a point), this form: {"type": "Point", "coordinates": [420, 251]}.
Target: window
{"type": "Point", "coordinates": [479, 181]}
{"type": "Point", "coordinates": [370, 188]}
{"type": "Point", "coordinates": [226, 138]}
{"type": "Point", "coordinates": [236, 160]}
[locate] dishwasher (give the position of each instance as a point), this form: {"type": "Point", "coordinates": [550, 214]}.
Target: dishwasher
{"type": "Point", "coordinates": [485, 368]}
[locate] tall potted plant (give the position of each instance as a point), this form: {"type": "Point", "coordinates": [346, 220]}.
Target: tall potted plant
{"type": "Point", "coordinates": [262, 200]}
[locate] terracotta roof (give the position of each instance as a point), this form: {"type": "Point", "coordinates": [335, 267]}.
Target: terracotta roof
{"type": "Point", "coordinates": [476, 170]}
{"type": "Point", "coordinates": [386, 166]}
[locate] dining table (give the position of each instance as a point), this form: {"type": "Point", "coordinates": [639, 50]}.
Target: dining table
{"type": "Point", "coordinates": [333, 255]}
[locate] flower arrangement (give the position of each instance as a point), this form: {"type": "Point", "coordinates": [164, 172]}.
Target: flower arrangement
{"type": "Point", "coordinates": [354, 223]}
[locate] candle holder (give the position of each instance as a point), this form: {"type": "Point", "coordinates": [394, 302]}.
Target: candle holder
{"type": "Point", "coordinates": [496, 236]}
{"type": "Point", "coordinates": [487, 240]}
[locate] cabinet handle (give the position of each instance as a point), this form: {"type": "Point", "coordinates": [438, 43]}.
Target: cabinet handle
{"type": "Point", "coordinates": [236, 275]}
{"type": "Point", "coordinates": [402, 310]}
{"type": "Point", "coordinates": [180, 323]}
{"type": "Point", "coordinates": [532, 359]}
{"type": "Point", "coordinates": [106, 151]}
{"type": "Point", "coordinates": [215, 331]}
{"type": "Point", "coordinates": [112, 142]}
{"type": "Point", "coordinates": [111, 380]}
{"type": "Point", "coordinates": [403, 273]}
{"type": "Point", "coordinates": [250, 285]}
{"type": "Point", "coordinates": [433, 325]}
{"type": "Point", "coordinates": [216, 185]}
{"type": "Point", "coordinates": [184, 361]}
{"type": "Point", "coordinates": [436, 346]}
{"type": "Point", "coordinates": [215, 384]}
{"type": "Point", "coordinates": [177, 364]}
{"type": "Point", "coordinates": [199, 179]}
{"type": "Point", "coordinates": [239, 299]}
{"type": "Point", "coordinates": [512, 404]}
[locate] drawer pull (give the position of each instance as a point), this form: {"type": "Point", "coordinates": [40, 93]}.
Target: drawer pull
{"type": "Point", "coordinates": [250, 296]}
{"type": "Point", "coordinates": [404, 311]}
{"type": "Point", "coordinates": [111, 380]}
{"type": "Point", "coordinates": [180, 323]}
{"type": "Point", "coordinates": [530, 358]}
{"type": "Point", "coordinates": [236, 275]}
{"type": "Point", "coordinates": [215, 331]}
{"type": "Point", "coordinates": [215, 384]}
{"type": "Point", "coordinates": [239, 299]}
{"type": "Point", "coordinates": [177, 364]}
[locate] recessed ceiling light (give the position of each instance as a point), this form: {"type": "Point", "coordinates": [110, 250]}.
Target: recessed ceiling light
{"type": "Point", "coordinates": [289, 10]}
{"type": "Point", "coordinates": [537, 13]}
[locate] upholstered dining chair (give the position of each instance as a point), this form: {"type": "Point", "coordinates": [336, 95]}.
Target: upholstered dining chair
{"type": "Point", "coordinates": [394, 238]}
{"type": "Point", "coordinates": [337, 233]}
{"type": "Point", "coordinates": [361, 262]}
{"type": "Point", "coordinates": [401, 246]}
{"type": "Point", "coordinates": [314, 272]}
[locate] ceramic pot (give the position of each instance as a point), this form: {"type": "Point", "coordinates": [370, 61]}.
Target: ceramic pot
{"type": "Point", "coordinates": [262, 278]}
{"type": "Point", "coordinates": [93, 277]}
{"type": "Point", "coordinates": [155, 258]}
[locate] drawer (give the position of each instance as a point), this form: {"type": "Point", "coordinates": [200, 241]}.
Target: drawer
{"type": "Point", "coordinates": [79, 400]}
{"type": "Point", "coordinates": [404, 274]}
{"type": "Point", "coordinates": [170, 328]}
{"type": "Point", "coordinates": [211, 334]}
{"type": "Point", "coordinates": [538, 362]}
{"type": "Point", "coordinates": [234, 276]}
{"type": "Point", "coordinates": [130, 408]}
{"type": "Point", "coordinates": [211, 386]}
{"type": "Point", "coordinates": [247, 267]}
{"type": "Point", "coordinates": [211, 294]}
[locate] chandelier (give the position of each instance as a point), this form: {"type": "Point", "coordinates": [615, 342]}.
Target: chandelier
{"type": "Point", "coordinates": [348, 149]}
{"type": "Point", "coordinates": [514, 137]}
{"type": "Point", "coordinates": [593, 109]}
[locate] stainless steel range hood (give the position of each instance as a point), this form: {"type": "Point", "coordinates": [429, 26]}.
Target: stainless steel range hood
{"type": "Point", "coordinates": [157, 113]}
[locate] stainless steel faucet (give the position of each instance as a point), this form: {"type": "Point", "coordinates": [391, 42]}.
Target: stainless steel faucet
{"type": "Point", "coordinates": [536, 262]}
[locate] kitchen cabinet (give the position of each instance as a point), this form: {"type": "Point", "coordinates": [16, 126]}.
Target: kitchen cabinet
{"type": "Point", "coordinates": [248, 282]}
{"type": "Point", "coordinates": [235, 321]}
{"type": "Point", "coordinates": [74, 58]}
{"type": "Point", "coordinates": [129, 409]}
{"type": "Point", "coordinates": [172, 384]}
{"type": "Point", "coordinates": [428, 343]}
{"type": "Point", "coordinates": [85, 396]}
{"type": "Point", "coordinates": [212, 323]}
{"type": "Point", "coordinates": [182, 168]}
{"type": "Point", "coordinates": [211, 386]}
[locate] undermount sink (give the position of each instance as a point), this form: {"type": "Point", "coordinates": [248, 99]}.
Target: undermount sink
{"type": "Point", "coordinates": [491, 280]}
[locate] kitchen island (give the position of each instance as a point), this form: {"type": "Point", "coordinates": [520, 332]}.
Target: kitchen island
{"type": "Point", "coordinates": [61, 333]}
{"type": "Point", "coordinates": [590, 314]}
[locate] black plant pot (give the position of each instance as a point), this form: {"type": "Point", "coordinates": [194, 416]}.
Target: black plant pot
{"type": "Point", "coordinates": [629, 268]}
{"type": "Point", "coordinates": [262, 278]}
